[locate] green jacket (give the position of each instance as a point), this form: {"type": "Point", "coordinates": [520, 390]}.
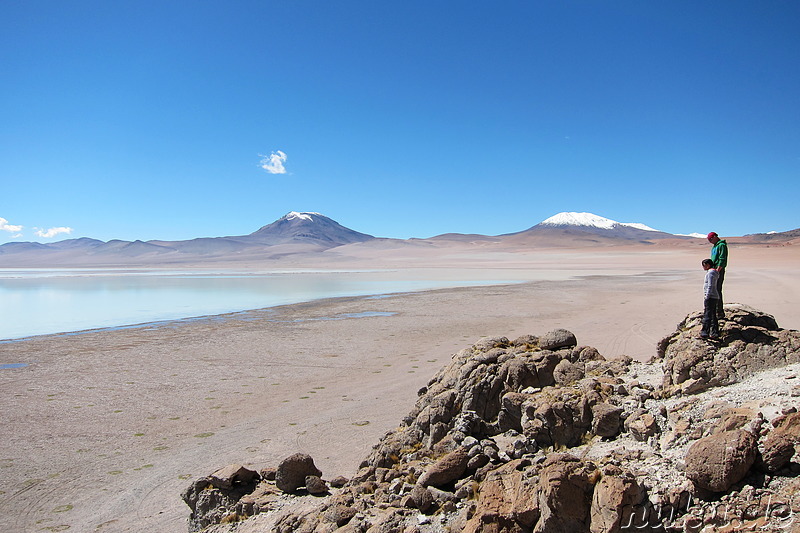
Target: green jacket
{"type": "Point", "coordinates": [719, 254]}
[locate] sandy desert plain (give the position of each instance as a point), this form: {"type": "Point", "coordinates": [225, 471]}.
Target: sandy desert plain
{"type": "Point", "coordinates": [102, 431]}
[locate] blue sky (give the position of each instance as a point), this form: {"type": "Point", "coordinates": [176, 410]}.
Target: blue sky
{"type": "Point", "coordinates": [155, 120]}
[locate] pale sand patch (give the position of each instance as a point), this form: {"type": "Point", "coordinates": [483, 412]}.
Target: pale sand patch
{"type": "Point", "coordinates": [103, 430]}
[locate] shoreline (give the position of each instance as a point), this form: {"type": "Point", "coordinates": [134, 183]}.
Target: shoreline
{"type": "Point", "coordinates": [107, 428]}
{"type": "Point", "coordinates": [250, 292]}
{"type": "Point", "coordinates": [426, 282]}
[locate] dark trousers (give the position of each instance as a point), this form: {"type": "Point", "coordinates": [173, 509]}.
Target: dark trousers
{"type": "Point", "coordinates": [720, 279]}
{"type": "Point", "coordinates": [710, 322]}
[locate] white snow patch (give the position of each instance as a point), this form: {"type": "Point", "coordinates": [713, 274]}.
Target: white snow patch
{"type": "Point", "coordinates": [638, 225]}
{"type": "Point", "coordinates": [291, 215]}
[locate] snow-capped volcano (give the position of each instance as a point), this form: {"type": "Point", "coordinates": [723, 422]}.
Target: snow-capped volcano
{"type": "Point", "coordinates": [590, 220]}
{"type": "Point", "coordinates": [308, 227]}
{"type": "Point", "coordinates": [588, 229]}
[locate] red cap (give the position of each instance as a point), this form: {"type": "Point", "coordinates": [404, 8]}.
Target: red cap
{"type": "Point", "coordinates": [713, 234]}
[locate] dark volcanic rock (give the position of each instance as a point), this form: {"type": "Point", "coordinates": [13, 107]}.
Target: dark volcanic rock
{"type": "Point", "coordinates": [293, 470]}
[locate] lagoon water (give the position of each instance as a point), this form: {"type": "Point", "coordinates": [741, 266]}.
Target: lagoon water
{"type": "Point", "coordinates": [47, 301]}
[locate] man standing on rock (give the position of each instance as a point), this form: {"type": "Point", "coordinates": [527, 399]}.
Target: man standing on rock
{"type": "Point", "coordinates": [719, 256]}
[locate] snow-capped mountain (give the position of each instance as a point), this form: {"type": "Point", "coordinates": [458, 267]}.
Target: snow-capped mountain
{"type": "Point", "coordinates": [591, 228]}
{"type": "Point", "coordinates": [592, 221]}
{"type": "Point", "coordinates": [311, 227]}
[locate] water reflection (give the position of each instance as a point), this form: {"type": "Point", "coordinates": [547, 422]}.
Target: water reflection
{"type": "Point", "coordinates": [36, 302]}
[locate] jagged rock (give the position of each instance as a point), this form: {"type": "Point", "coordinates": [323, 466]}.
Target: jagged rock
{"type": "Point", "coordinates": [534, 370]}
{"type": "Point", "coordinates": [292, 472]}
{"type": "Point", "coordinates": [778, 450]}
{"type": "Point", "coordinates": [514, 498]}
{"type": "Point", "coordinates": [733, 418]}
{"type": "Point", "coordinates": [750, 341]}
{"type": "Point", "coordinates": [510, 415]}
{"type": "Point", "coordinates": [213, 498]}
{"type": "Point", "coordinates": [718, 461]}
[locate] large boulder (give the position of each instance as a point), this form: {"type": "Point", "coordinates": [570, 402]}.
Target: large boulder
{"type": "Point", "coordinates": [606, 419]}
{"type": "Point", "coordinates": [616, 497]}
{"type": "Point", "coordinates": [508, 500]}
{"type": "Point", "coordinates": [716, 462]}
{"type": "Point", "coordinates": [779, 445]}
{"type": "Point", "coordinates": [556, 339]}
{"type": "Point", "coordinates": [232, 475]}
{"type": "Point", "coordinates": [446, 470]}
{"type": "Point", "coordinates": [565, 494]}
{"type": "Point", "coordinates": [292, 472]}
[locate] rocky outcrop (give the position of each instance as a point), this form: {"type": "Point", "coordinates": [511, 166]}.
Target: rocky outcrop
{"type": "Point", "coordinates": [216, 498]}
{"type": "Point", "coordinates": [541, 435]}
{"type": "Point", "coordinates": [750, 341]}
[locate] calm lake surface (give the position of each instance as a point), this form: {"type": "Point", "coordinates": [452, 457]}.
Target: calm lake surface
{"type": "Point", "coordinates": [43, 301]}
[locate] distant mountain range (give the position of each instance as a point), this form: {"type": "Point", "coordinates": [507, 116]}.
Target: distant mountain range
{"type": "Point", "coordinates": [308, 233]}
{"type": "Point", "coordinates": [291, 234]}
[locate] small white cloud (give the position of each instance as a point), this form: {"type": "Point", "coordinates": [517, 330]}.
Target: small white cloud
{"type": "Point", "coordinates": [52, 232]}
{"type": "Point", "coordinates": [273, 163]}
{"type": "Point", "coordinates": [11, 228]}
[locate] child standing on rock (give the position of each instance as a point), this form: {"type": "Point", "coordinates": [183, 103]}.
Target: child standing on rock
{"type": "Point", "coordinates": [710, 328]}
